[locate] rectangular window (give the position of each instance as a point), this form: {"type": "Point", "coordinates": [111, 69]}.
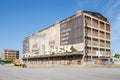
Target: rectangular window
{"type": "Point", "coordinates": [107, 35]}
{"type": "Point", "coordinates": [102, 43]}
{"type": "Point", "coordinates": [87, 20]}
{"type": "Point", "coordinates": [102, 34]}
{"type": "Point", "coordinates": [95, 32]}
{"type": "Point", "coordinates": [87, 31]}
{"type": "Point", "coordinates": [108, 44]}
{"type": "Point", "coordinates": [102, 51]}
{"type": "Point", "coordinates": [95, 23]}
{"type": "Point", "coordinates": [108, 52]}
{"type": "Point", "coordinates": [95, 42]}
{"type": "Point", "coordinates": [94, 50]}
{"type": "Point", "coordinates": [107, 27]}
{"type": "Point", "coordinates": [101, 25]}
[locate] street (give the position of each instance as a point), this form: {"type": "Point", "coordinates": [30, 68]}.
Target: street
{"type": "Point", "coordinates": [59, 73]}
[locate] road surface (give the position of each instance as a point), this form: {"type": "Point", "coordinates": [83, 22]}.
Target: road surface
{"type": "Point", "coordinates": [59, 73]}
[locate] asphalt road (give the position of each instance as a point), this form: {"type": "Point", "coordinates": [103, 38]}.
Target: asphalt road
{"type": "Point", "coordinates": [59, 73]}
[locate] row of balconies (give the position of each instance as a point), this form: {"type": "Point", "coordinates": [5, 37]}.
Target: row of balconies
{"type": "Point", "coordinates": [93, 50]}
{"type": "Point", "coordinates": [95, 23]}
{"type": "Point", "coordinates": [96, 42]}
{"type": "Point", "coordinates": [101, 44]}
{"type": "Point", "coordinates": [11, 56]}
{"type": "Point", "coordinates": [95, 33]}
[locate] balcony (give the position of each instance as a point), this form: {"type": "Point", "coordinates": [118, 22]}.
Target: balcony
{"type": "Point", "coordinates": [95, 33]}
{"type": "Point", "coordinates": [108, 36]}
{"type": "Point", "coordinates": [108, 52]}
{"type": "Point", "coordinates": [87, 31]}
{"type": "Point", "coordinates": [102, 26]}
{"type": "Point", "coordinates": [107, 44]}
{"type": "Point", "coordinates": [87, 20]}
{"type": "Point", "coordinates": [108, 27]}
{"type": "Point", "coordinates": [94, 50]}
{"type": "Point", "coordinates": [102, 43]}
{"type": "Point", "coordinates": [102, 34]}
{"type": "Point", "coordinates": [88, 41]}
{"type": "Point", "coordinates": [95, 23]}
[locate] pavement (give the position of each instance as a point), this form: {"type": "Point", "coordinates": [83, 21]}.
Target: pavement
{"type": "Point", "coordinates": [79, 66]}
{"type": "Point", "coordinates": [8, 72]}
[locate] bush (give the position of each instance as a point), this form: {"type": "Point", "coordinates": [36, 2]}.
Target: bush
{"type": "Point", "coordinates": [17, 64]}
{"type": "Point", "coordinates": [7, 61]}
{"type": "Point", "coordinates": [24, 65]}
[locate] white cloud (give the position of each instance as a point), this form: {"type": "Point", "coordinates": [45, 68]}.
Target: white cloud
{"type": "Point", "coordinates": [116, 28]}
{"type": "Point", "coordinates": [116, 32]}
{"type": "Point", "coordinates": [113, 14]}
{"type": "Point", "coordinates": [87, 4]}
{"type": "Point", "coordinates": [112, 7]}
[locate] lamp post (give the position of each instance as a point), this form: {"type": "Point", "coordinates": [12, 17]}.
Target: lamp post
{"type": "Point", "coordinates": [27, 59]}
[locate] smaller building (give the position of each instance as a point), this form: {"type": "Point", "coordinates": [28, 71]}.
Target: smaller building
{"type": "Point", "coordinates": [9, 54]}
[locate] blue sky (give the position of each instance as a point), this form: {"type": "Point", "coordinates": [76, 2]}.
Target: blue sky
{"type": "Point", "coordinates": [20, 18]}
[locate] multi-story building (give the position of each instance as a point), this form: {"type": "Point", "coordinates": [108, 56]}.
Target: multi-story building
{"type": "Point", "coordinates": [84, 36]}
{"type": "Point", "coordinates": [9, 54]}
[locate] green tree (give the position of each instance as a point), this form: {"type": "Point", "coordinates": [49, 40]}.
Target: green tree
{"type": "Point", "coordinates": [117, 55]}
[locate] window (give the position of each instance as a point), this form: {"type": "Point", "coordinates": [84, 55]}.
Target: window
{"type": "Point", "coordinates": [102, 43]}
{"type": "Point", "coordinates": [107, 36]}
{"type": "Point", "coordinates": [88, 49]}
{"type": "Point", "coordinates": [102, 34]}
{"type": "Point", "coordinates": [87, 40]}
{"type": "Point", "coordinates": [108, 51]}
{"type": "Point", "coordinates": [95, 42]}
{"type": "Point", "coordinates": [94, 50]}
{"type": "Point", "coordinates": [107, 43]}
{"type": "Point", "coordinates": [87, 20]}
{"type": "Point", "coordinates": [95, 32]}
{"type": "Point", "coordinates": [95, 23]}
{"type": "Point", "coordinates": [107, 27]}
{"type": "Point", "coordinates": [87, 31]}
{"type": "Point", "coordinates": [102, 51]}
{"type": "Point", "coordinates": [101, 25]}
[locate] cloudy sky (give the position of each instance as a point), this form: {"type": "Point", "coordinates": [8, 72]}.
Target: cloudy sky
{"type": "Point", "coordinates": [20, 18]}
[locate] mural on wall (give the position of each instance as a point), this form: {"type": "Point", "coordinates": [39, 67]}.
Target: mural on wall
{"type": "Point", "coordinates": [71, 31]}
{"type": "Point", "coordinates": [71, 35]}
{"type": "Point", "coordinates": [59, 38]}
{"type": "Point", "coordinates": [45, 42]}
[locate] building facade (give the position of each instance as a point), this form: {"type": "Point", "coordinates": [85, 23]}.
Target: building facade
{"type": "Point", "coordinates": [84, 36]}
{"type": "Point", "coordinates": [9, 54]}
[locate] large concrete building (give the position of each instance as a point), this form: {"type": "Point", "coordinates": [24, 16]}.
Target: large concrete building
{"type": "Point", "coordinates": [9, 54]}
{"type": "Point", "coordinates": [84, 36]}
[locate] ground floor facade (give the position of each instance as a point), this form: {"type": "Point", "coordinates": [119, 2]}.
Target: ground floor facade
{"type": "Point", "coordinates": [67, 59]}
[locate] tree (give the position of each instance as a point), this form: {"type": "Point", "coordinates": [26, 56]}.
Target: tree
{"type": "Point", "coordinates": [117, 55]}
